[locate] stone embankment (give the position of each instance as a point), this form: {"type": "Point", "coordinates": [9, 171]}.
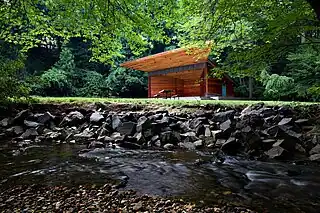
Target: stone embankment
{"type": "Point", "coordinates": [255, 131]}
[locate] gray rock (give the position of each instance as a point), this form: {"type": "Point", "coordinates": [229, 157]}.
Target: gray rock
{"type": "Point", "coordinates": [96, 144]}
{"type": "Point", "coordinates": [198, 144]}
{"type": "Point", "coordinates": [187, 145]}
{"type": "Point", "coordinates": [117, 136]}
{"type": "Point", "coordinates": [21, 116]}
{"type": "Point", "coordinates": [5, 122]}
{"type": "Point", "coordinates": [143, 123]}
{"type": "Point", "coordinates": [85, 135]}
{"type": "Point", "coordinates": [223, 116]}
{"type": "Point", "coordinates": [108, 139]}
{"type": "Point", "coordinates": [200, 129]}
{"type": "Point", "coordinates": [285, 121]}
{"type": "Point", "coordinates": [188, 134]}
{"type": "Point", "coordinates": [302, 121]}
{"type": "Point", "coordinates": [165, 137]}
{"type": "Point", "coordinates": [139, 137]}
{"type": "Point", "coordinates": [157, 143]}
{"type": "Point", "coordinates": [168, 146]}
{"type": "Point", "coordinates": [127, 128]}
{"type": "Point", "coordinates": [16, 130]}
{"type": "Point", "coordinates": [277, 152]}
{"type": "Point", "coordinates": [207, 132]}
{"type": "Point", "coordinates": [231, 146]}
{"type": "Point", "coordinates": [44, 118]}
{"type": "Point", "coordinates": [315, 150]}
{"type": "Point", "coordinates": [31, 124]}
{"type": "Point", "coordinates": [285, 144]}
{"type": "Point", "coordinates": [219, 142]}
{"type": "Point", "coordinates": [315, 157]}
{"type": "Point", "coordinates": [225, 125]}
{"type": "Point", "coordinates": [300, 149]}
{"type": "Point", "coordinates": [216, 134]}
{"type": "Point", "coordinates": [96, 117]}
{"type": "Point", "coordinates": [155, 138]}
{"type": "Point", "coordinates": [72, 119]}
{"type": "Point", "coordinates": [29, 133]}
{"type": "Point", "coordinates": [116, 122]}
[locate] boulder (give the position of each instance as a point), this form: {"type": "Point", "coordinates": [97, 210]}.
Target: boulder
{"type": "Point", "coordinates": [165, 137]}
{"type": "Point", "coordinates": [44, 118]}
{"type": "Point", "coordinates": [315, 157]}
{"type": "Point", "coordinates": [168, 146]}
{"type": "Point", "coordinates": [31, 124]}
{"type": "Point", "coordinates": [216, 134]}
{"type": "Point", "coordinates": [143, 123]}
{"type": "Point", "coordinates": [127, 128]}
{"type": "Point", "coordinates": [117, 136]}
{"type": "Point", "coordinates": [74, 118]}
{"type": "Point", "coordinates": [198, 144]}
{"type": "Point", "coordinates": [108, 139]}
{"type": "Point", "coordinates": [200, 130]}
{"type": "Point", "coordinates": [139, 138]}
{"type": "Point", "coordinates": [187, 145]}
{"type": "Point", "coordinates": [157, 143]}
{"type": "Point", "coordinates": [96, 144]}
{"type": "Point", "coordinates": [85, 135]}
{"type": "Point", "coordinates": [315, 150]}
{"type": "Point", "coordinates": [194, 123]}
{"type": "Point", "coordinates": [96, 117]}
{"type": "Point", "coordinates": [285, 144]}
{"type": "Point", "coordinates": [116, 122]}
{"type": "Point", "coordinates": [285, 121]}
{"type": "Point", "coordinates": [225, 126]}
{"type": "Point", "coordinates": [277, 152]}
{"type": "Point", "coordinates": [29, 133]}
{"type": "Point", "coordinates": [5, 122]}
{"type": "Point", "coordinates": [21, 116]}
{"type": "Point", "coordinates": [155, 138]}
{"type": "Point", "coordinates": [15, 130]}
{"type": "Point", "coordinates": [223, 116]}
{"type": "Point", "coordinates": [231, 146]}
{"type": "Point", "coordinates": [207, 131]}
{"type": "Point", "coordinates": [189, 136]}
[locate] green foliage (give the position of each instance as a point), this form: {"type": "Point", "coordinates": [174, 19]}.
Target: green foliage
{"type": "Point", "coordinates": [11, 88]}
{"type": "Point", "coordinates": [304, 68]}
{"type": "Point", "coordinates": [127, 83]}
{"type": "Point", "coordinates": [276, 86]}
{"type": "Point", "coordinates": [94, 85]}
{"type": "Point", "coordinates": [247, 35]}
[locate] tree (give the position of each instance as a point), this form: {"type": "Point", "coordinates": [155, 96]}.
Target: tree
{"type": "Point", "coordinates": [105, 23]}
{"type": "Point", "coordinates": [247, 35]}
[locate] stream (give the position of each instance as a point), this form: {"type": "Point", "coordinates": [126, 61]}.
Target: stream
{"type": "Point", "coordinates": [262, 186]}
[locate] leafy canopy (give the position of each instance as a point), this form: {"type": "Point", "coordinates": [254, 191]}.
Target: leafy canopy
{"type": "Point", "coordinates": [106, 23]}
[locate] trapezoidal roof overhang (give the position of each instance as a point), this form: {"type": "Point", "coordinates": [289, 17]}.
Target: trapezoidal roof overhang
{"type": "Point", "coordinates": [169, 59]}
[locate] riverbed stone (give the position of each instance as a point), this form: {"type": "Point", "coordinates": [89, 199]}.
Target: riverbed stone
{"type": "Point", "coordinates": [74, 118]}
{"type": "Point", "coordinates": [143, 123]}
{"type": "Point", "coordinates": [315, 157]}
{"type": "Point", "coordinates": [31, 124]}
{"type": "Point", "coordinates": [226, 126]}
{"type": "Point", "coordinates": [198, 144]}
{"type": "Point", "coordinates": [277, 152]}
{"type": "Point", "coordinates": [187, 145]}
{"type": "Point", "coordinates": [127, 128]}
{"type": "Point", "coordinates": [168, 146]}
{"type": "Point", "coordinates": [15, 130]}
{"type": "Point", "coordinates": [223, 116]}
{"type": "Point", "coordinates": [285, 121]}
{"type": "Point", "coordinates": [96, 117]}
{"type": "Point", "coordinates": [5, 122]}
{"type": "Point", "coordinates": [44, 118]}
{"type": "Point", "coordinates": [116, 122]}
{"type": "Point", "coordinates": [315, 150]}
{"type": "Point", "coordinates": [21, 116]}
{"type": "Point", "coordinates": [29, 133]}
{"type": "Point", "coordinates": [231, 146]}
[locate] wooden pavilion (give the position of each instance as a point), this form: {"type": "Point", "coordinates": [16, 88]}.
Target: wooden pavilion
{"type": "Point", "coordinates": [184, 72]}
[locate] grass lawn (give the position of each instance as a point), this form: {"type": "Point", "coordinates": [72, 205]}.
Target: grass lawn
{"type": "Point", "coordinates": [164, 102]}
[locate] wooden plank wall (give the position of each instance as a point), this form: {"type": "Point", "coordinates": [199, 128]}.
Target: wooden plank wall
{"type": "Point", "coordinates": [215, 86]}
{"type": "Point", "coordinates": [192, 88]}
{"type": "Point", "coordinates": [158, 83]}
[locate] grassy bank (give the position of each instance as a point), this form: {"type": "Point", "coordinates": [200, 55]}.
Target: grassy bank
{"type": "Point", "coordinates": [165, 102]}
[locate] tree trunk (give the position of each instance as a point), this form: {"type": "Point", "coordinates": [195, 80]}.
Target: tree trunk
{"type": "Point", "coordinates": [250, 88]}
{"type": "Point", "coordinates": [315, 4]}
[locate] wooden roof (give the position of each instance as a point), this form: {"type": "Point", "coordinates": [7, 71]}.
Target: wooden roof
{"type": "Point", "coordinates": [169, 59]}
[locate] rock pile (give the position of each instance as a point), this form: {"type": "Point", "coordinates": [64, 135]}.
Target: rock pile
{"type": "Point", "coordinates": [257, 130]}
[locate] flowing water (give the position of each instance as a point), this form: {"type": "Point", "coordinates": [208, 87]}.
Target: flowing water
{"type": "Point", "coordinates": [264, 186]}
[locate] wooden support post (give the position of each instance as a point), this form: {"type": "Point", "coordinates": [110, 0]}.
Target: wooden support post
{"type": "Point", "coordinates": [149, 86]}
{"type": "Point", "coordinates": [206, 84]}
